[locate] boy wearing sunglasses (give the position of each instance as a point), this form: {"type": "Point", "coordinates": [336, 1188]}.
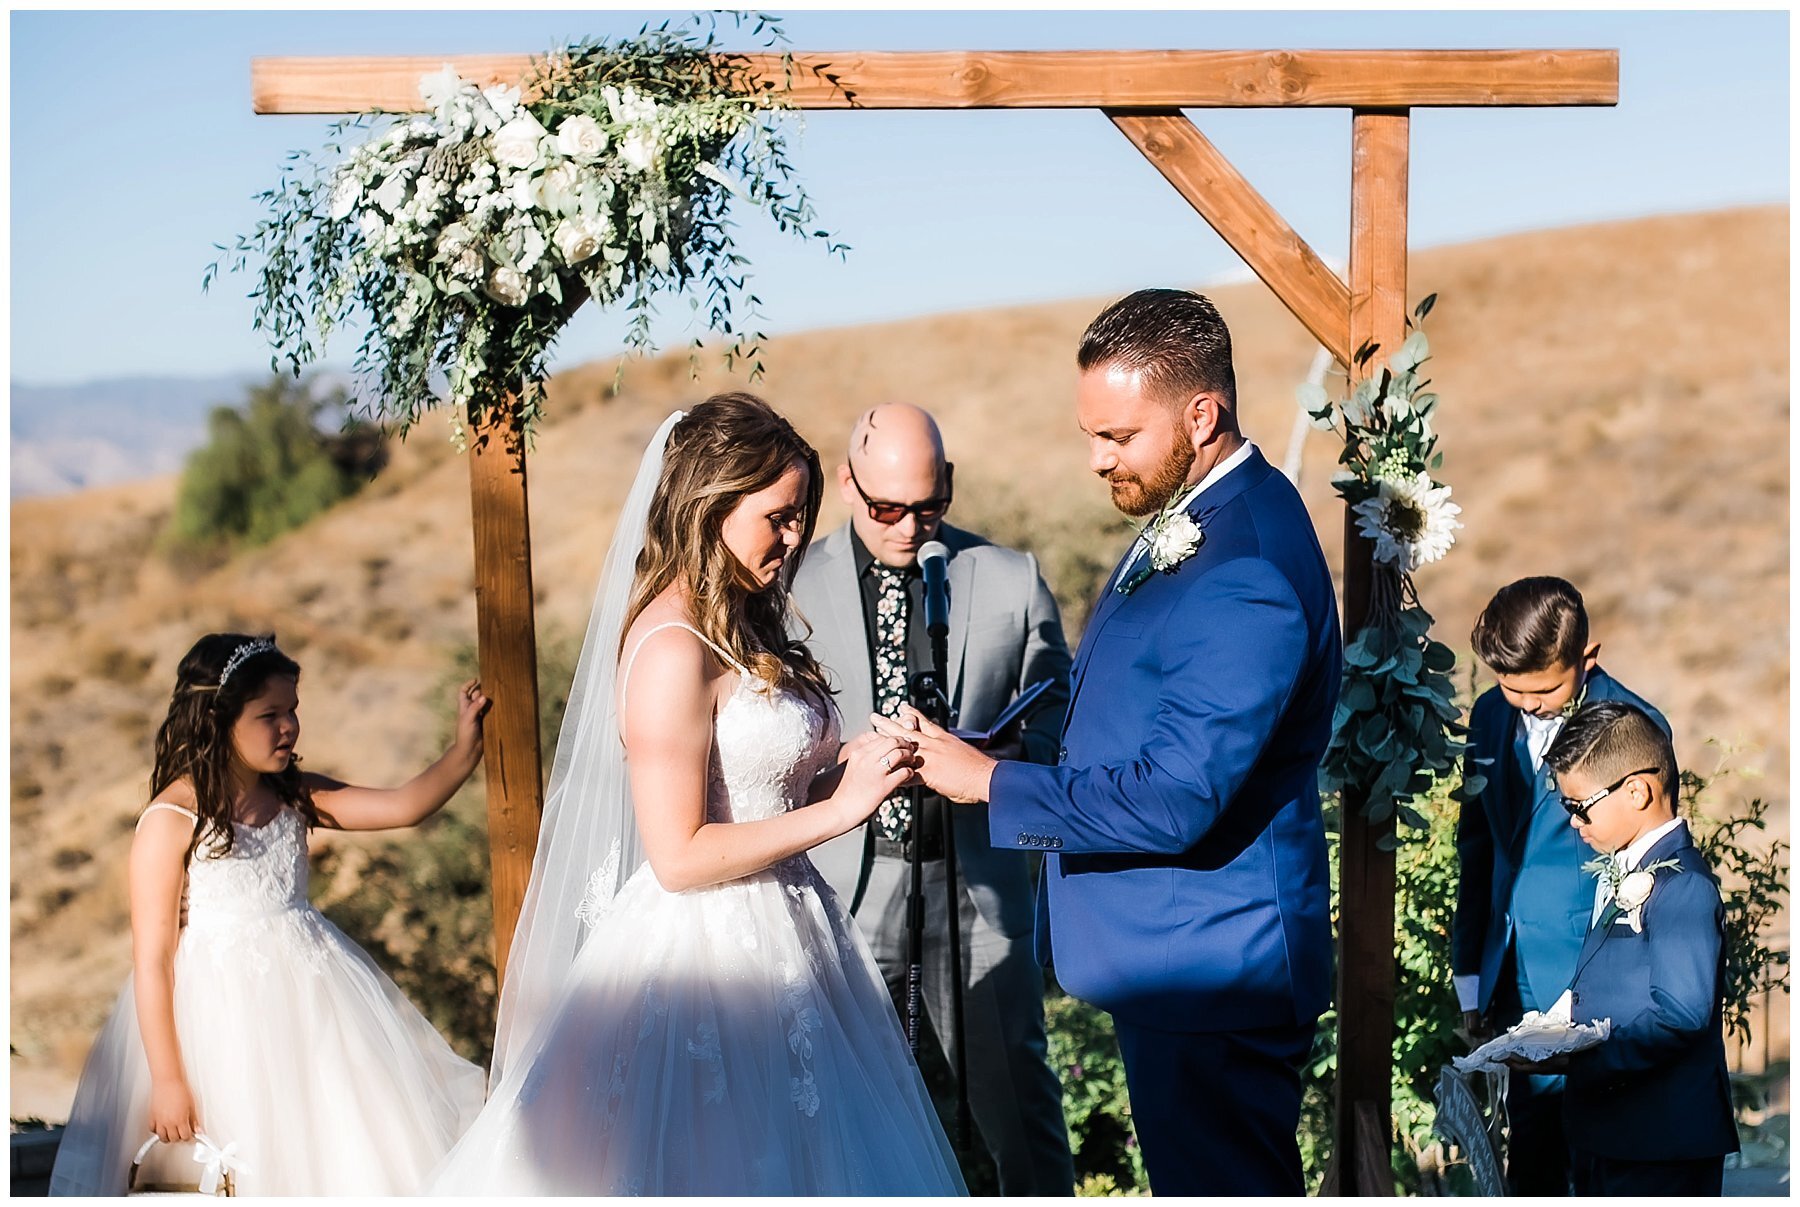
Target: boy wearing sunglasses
{"type": "Point", "coordinates": [1523, 902]}
{"type": "Point", "coordinates": [1647, 1112]}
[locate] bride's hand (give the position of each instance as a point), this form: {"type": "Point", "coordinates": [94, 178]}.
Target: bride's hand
{"type": "Point", "coordinates": [866, 738]}
{"type": "Point", "coordinates": [875, 767]}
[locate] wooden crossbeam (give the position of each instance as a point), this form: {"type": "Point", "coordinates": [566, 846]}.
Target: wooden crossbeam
{"type": "Point", "coordinates": [1246, 221]}
{"type": "Point", "coordinates": [1047, 79]}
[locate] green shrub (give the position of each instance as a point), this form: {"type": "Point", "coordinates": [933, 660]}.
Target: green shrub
{"type": "Point", "coordinates": [1085, 1055]}
{"type": "Point", "coordinates": [266, 468]}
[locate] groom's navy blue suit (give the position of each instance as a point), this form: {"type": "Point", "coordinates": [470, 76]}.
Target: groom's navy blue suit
{"type": "Point", "coordinates": [1185, 887]}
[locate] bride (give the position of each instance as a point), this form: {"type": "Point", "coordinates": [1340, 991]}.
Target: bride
{"type": "Point", "coordinates": [688, 1009]}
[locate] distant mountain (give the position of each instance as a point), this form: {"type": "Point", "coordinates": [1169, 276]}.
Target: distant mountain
{"type": "Point", "coordinates": [121, 429]}
{"type": "Point", "coordinates": [98, 433]}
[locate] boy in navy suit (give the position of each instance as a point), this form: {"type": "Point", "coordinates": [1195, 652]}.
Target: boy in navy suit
{"type": "Point", "coordinates": [1647, 1112]}
{"type": "Point", "coordinates": [1523, 902]}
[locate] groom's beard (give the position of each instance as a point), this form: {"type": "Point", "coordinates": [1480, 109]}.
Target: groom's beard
{"type": "Point", "coordinates": [1140, 496]}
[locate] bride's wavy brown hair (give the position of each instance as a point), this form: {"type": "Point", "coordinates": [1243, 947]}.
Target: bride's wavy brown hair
{"type": "Point", "coordinates": [194, 741]}
{"type": "Point", "coordinates": [724, 449]}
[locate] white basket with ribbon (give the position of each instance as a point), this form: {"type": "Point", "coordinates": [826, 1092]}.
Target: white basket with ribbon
{"type": "Point", "coordinates": [219, 1167]}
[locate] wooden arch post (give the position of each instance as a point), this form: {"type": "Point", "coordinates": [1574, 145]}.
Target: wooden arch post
{"type": "Point", "coordinates": [1143, 93]}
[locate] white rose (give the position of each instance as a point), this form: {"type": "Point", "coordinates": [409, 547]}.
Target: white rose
{"type": "Point", "coordinates": [555, 189]}
{"type": "Point", "coordinates": [580, 137]}
{"type": "Point", "coordinates": [1634, 889]}
{"type": "Point", "coordinates": [453, 238]}
{"type": "Point", "coordinates": [372, 226]}
{"type": "Point", "coordinates": [576, 240]}
{"type": "Point", "coordinates": [506, 286]}
{"type": "Point", "coordinates": [1174, 541]}
{"type": "Point", "coordinates": [638, 150]}
{"type": "Point", "coordinates": [516, 143]}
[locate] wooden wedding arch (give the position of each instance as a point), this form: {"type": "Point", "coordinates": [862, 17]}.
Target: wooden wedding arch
{"type": "Point", "coordinates": [1142, 93]}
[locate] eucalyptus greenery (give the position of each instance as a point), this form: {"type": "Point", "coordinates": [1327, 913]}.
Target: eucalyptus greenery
{"type": "Point", "coordinates": [1753, 876]}
{"type": "Point", "coordinates": [1396, 730]}
{"type": "Point", "coordinates": [467, 236]}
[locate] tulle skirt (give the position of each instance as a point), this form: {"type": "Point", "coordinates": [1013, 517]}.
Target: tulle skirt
{"type": "Point", "coordinates": [730, 1040]}
{"type": "Point", "coordinates": [298, 1050]}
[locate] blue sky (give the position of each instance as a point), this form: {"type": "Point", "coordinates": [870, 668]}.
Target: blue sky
{"type": "Point", "coordinates": [134, 150]}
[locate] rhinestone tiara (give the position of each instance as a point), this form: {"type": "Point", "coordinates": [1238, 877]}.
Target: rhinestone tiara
{"type": "Point", "coordinates": [241, 655]}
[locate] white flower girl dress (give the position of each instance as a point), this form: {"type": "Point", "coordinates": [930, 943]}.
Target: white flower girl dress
{"type": "Point", "coordinates": [306, 1062]}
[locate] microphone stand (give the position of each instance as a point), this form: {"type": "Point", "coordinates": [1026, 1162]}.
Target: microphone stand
{"type": "Point", "coordinates": [928, 692]}
{"type": "Point", "coordinates": [929, 699]}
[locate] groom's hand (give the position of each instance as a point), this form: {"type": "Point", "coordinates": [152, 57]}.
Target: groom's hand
{"type": "Point", "coordinates": [948, 765]}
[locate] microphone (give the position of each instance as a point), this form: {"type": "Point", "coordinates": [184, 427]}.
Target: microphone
{"type": "Point", "coordinates": [933, 567]}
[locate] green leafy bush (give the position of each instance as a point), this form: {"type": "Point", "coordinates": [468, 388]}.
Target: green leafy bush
{"type": "Point", "coordinates": [1085, 1055]}
{"type": "Point", "coordinates": [268, 467]}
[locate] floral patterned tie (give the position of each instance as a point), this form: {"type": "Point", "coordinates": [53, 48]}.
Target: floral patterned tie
{"type": "Point", "coordinates": [890, 680]}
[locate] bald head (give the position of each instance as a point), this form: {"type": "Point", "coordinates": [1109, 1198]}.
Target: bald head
{"type": "Point", "coordinates": [897, 434]}
{"type": "Point", "coordinates": [896, 455]}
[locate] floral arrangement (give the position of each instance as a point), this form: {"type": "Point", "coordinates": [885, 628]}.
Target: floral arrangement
{"type": "Point", "coordinates": [467, 235]}
{"type": "Point", "coordinates": [1396, 728]}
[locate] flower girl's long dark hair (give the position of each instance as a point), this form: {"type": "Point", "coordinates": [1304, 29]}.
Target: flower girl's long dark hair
{"type": "Point", "coordinates": [194, 741]}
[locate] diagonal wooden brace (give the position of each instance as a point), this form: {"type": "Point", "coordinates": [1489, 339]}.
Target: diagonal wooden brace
{"type": "Point", "coordinates": [1190, 162]}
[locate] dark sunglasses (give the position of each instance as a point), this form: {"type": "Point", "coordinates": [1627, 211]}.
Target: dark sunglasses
{"type": "Point", "coordinates": [884, 512]}
{"type": "Point", "coordinates": [1579, 808]}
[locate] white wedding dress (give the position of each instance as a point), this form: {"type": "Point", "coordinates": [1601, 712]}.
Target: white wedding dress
{"type": "Point", "coordinates": [728, 1040]}
{"type": "Point", "coordinates": [306, 1062]}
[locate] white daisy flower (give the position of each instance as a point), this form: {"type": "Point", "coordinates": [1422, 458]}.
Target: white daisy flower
{"type": "Point", "coordinates": [1411, 521]}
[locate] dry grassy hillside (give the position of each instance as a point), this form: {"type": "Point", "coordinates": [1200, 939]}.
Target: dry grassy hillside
{"type": "Point", "coordinates": [1615, 411]}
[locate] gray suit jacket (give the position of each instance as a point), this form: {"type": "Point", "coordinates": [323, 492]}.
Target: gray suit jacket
{"type": "Point", "coordinates": [1005, 634]}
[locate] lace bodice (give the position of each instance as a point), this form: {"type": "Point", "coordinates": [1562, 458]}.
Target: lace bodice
{"type": "Point", "coordinates": [264, 873]}
{"type": "Point", "coordinates": [249, 906]}
{"type": "Point", "coordinates": [768, 745]}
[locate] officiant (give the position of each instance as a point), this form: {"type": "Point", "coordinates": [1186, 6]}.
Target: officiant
{"type": "Point", "coordinates": [861, 591]}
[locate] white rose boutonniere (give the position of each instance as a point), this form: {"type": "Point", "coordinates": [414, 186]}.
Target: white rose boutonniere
{"type": "Point", "coordinates": [1630, 890]}
{"type": "Point", "coordinates": [1173, 538]}
{"type": "Point", "coordinates": [1174, 541]}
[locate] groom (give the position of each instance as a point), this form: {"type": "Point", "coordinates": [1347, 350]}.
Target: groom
{"type": "Point", "coordinates": [1185, 887]}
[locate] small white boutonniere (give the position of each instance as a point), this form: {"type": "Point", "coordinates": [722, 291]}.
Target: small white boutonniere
{"type": "Point", "coordinates": [1630, 890]}
{"type": "Point", "coordinates": [1172, 537]}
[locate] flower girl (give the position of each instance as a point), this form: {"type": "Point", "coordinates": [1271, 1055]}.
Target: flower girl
{"type": "Point", "coordinates": [253, 1019]}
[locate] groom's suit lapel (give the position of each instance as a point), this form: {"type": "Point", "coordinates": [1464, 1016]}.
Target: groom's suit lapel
{"type": "Point", "coordinates": [1111, 603]}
